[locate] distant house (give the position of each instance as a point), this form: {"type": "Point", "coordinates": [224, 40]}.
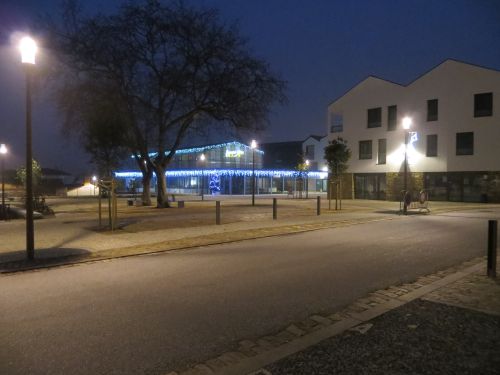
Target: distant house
{"type": "Point", "coordinates": [313, 149]}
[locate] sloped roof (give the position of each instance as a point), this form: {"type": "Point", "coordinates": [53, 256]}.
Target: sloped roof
{"type": "Point", "coordinates": [316, 137]}
{"type": "Point", "coordinates": [414, 80]}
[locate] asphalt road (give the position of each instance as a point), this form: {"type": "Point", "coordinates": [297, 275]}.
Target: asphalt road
{"type": "Point", "coordinates": [152, 314]}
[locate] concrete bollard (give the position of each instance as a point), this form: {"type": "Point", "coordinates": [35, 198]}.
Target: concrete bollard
{"type": "Point", "coordinates": [318, 205]}
{"type": "Point", "coordinates": [217, 212]}
{"type": "Point", "coordinates": [492, 248]}
{"type": "Point", "coordinates": [275, 208]}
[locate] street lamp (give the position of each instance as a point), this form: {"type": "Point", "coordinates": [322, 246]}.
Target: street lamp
{"type": "Point", "coordinates": [407, 121]}
{"type": "Point", "coordinates": [307, 179]}
{"type": "Point", "coordinates": [94, 182]}
{"type": "Point", "coordinates": [3, 152]}
{"type": "Point", "coordinates": [28, 49]}
{"type": "Point", "coordinates": [202, 159]}
{"type": "Point", "coordinates": [253, 145]}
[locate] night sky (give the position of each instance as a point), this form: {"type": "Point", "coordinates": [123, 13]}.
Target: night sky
{"type": "Point", "coordinates": [321, 47]}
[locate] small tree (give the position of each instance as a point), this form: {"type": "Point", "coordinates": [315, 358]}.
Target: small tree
{"type": "Point", "coordinates": [337, 154]}
{"type": "Point", "coordinates": [301, 173]}
{"type": "Point", "coordinates": [37, 173]}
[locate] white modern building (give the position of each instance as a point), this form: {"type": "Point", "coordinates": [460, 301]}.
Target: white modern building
{"type": "Point", "coordinates": [453, 148]}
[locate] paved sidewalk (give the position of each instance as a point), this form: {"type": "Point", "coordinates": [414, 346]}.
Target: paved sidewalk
{"type": "Point", "coordinates": [72, 236]}
{"type": "Point", "coordinates": [444, 323]}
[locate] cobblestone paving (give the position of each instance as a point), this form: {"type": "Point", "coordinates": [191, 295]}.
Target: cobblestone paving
{"type": "Point", "coordinates": [476, 291]}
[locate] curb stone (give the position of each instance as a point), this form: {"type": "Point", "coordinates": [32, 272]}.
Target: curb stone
{"type": "Point", "coordinates": [252, 356]}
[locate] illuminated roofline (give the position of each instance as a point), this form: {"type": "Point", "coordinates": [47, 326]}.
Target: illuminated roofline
{"type": "Point", "coordinates": [208, 147]}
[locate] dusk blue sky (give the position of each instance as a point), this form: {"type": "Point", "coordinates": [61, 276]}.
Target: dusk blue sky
{"type": "Point", "coordinates": [322, 48]}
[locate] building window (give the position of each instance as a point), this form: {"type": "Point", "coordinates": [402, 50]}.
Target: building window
{"type": "Point", "coordinates": [483, 104]}
{"type": "Point", "coordinates": [375, 117]}
{"type": "Point", "coordinates": [365, 150]}
{"type": "Point", "coordinates": [432, 145]}
{"type": "Point", "coordinates": [465, 143]}
{"type": "Point", "coordinates": [432, 110]}
{"type": "Point", "coordinates": [310, 152]}
{"type": "Point", "coordinates": [382, 151]}
{"type": "Point", "coordinates": [392, 117]}
{"type": "Point", "coordinates": [337, 123]}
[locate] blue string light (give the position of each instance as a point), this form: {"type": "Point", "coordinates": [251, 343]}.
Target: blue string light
{"type": "Point", "coordinates": [230, 172]}
{"type": "Point", "coordinates": [237, 145]}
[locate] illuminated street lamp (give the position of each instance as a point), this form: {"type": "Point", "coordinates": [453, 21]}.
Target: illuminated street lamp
{"type": "Point", "coordinates": [407, 121]}
{"type": "Point", "coordinates": [94, 182]}
{"type": "Point", "coordinates": [28, 49]}
{"type": "Point", "coordinates": [3, 152]}
{"type": "Point", "coordinates": [253, 145]}
{"type": "Point", "coordinates": [202, 159]}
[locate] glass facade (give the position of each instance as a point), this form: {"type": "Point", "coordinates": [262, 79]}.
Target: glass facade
{"type": "Point", "coordinates": [227, 168]}
{"type": "Point", "coordinates": [370, 186]}
{"type": "Point", "coordinates": [460, 186]}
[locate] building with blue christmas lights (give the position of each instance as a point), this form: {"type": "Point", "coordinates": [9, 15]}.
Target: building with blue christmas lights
{"type": "Point", "coordinates": [227, 168]}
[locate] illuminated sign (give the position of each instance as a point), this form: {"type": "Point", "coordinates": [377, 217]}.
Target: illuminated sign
{"type": "Point", "coordinates": [234, 153]}
{"type": "Point", "coordinates": [413, 137]}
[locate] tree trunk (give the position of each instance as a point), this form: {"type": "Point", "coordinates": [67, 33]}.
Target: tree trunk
{"type": "Point", "coordinates": [146, 188]}
{"type": "Point", "coordinates": [147, 175]}
{"type": "Point", "coordinates": [336, 194]}
{"type": "Point", "coordinates": [161, 187]}
{"type": "Point", "coordinates": [340, 188]}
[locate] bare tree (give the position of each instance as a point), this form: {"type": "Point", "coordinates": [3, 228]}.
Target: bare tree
{"type": "Point", "coordinates": [173, 68]}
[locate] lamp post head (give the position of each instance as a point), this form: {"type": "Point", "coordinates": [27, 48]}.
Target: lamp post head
{"type": "Point", "coordinates": [253, 145]}
{"type": "Point", "coordinates": [407, 121]}
{"type": "Point", "coordinates": [94, 179]}
{"type": "Point", "coordinates": [28, 49]}
{"type": "Point", "coordinates": [307, 162]}
{"type": "Point", "coordinates": [202, 157]}
{"type": "Point", "coordinates": [3, 149]}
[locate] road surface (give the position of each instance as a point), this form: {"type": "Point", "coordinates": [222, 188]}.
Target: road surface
{"type": "Point", "coordinates": [153, 314]}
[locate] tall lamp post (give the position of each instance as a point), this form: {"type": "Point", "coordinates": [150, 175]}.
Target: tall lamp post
{"type": "Point", "coordinates": [202, 159]}
{"type": "Point", "coordinates": [307, 179]}
{"type": "Point", "coordinates": [3, 152]}
{"type": "Point", "coordinates": [253, 145]}
{"type": "Point", "coordinates": [407, 121]}
{"type": "Point", "coordinates": [28, 49]}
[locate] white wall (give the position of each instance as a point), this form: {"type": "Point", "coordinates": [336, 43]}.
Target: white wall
{"type": "Point", "coordinates": [86, 190]}
{"type": "Point", "coordinates": [454, 85]}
